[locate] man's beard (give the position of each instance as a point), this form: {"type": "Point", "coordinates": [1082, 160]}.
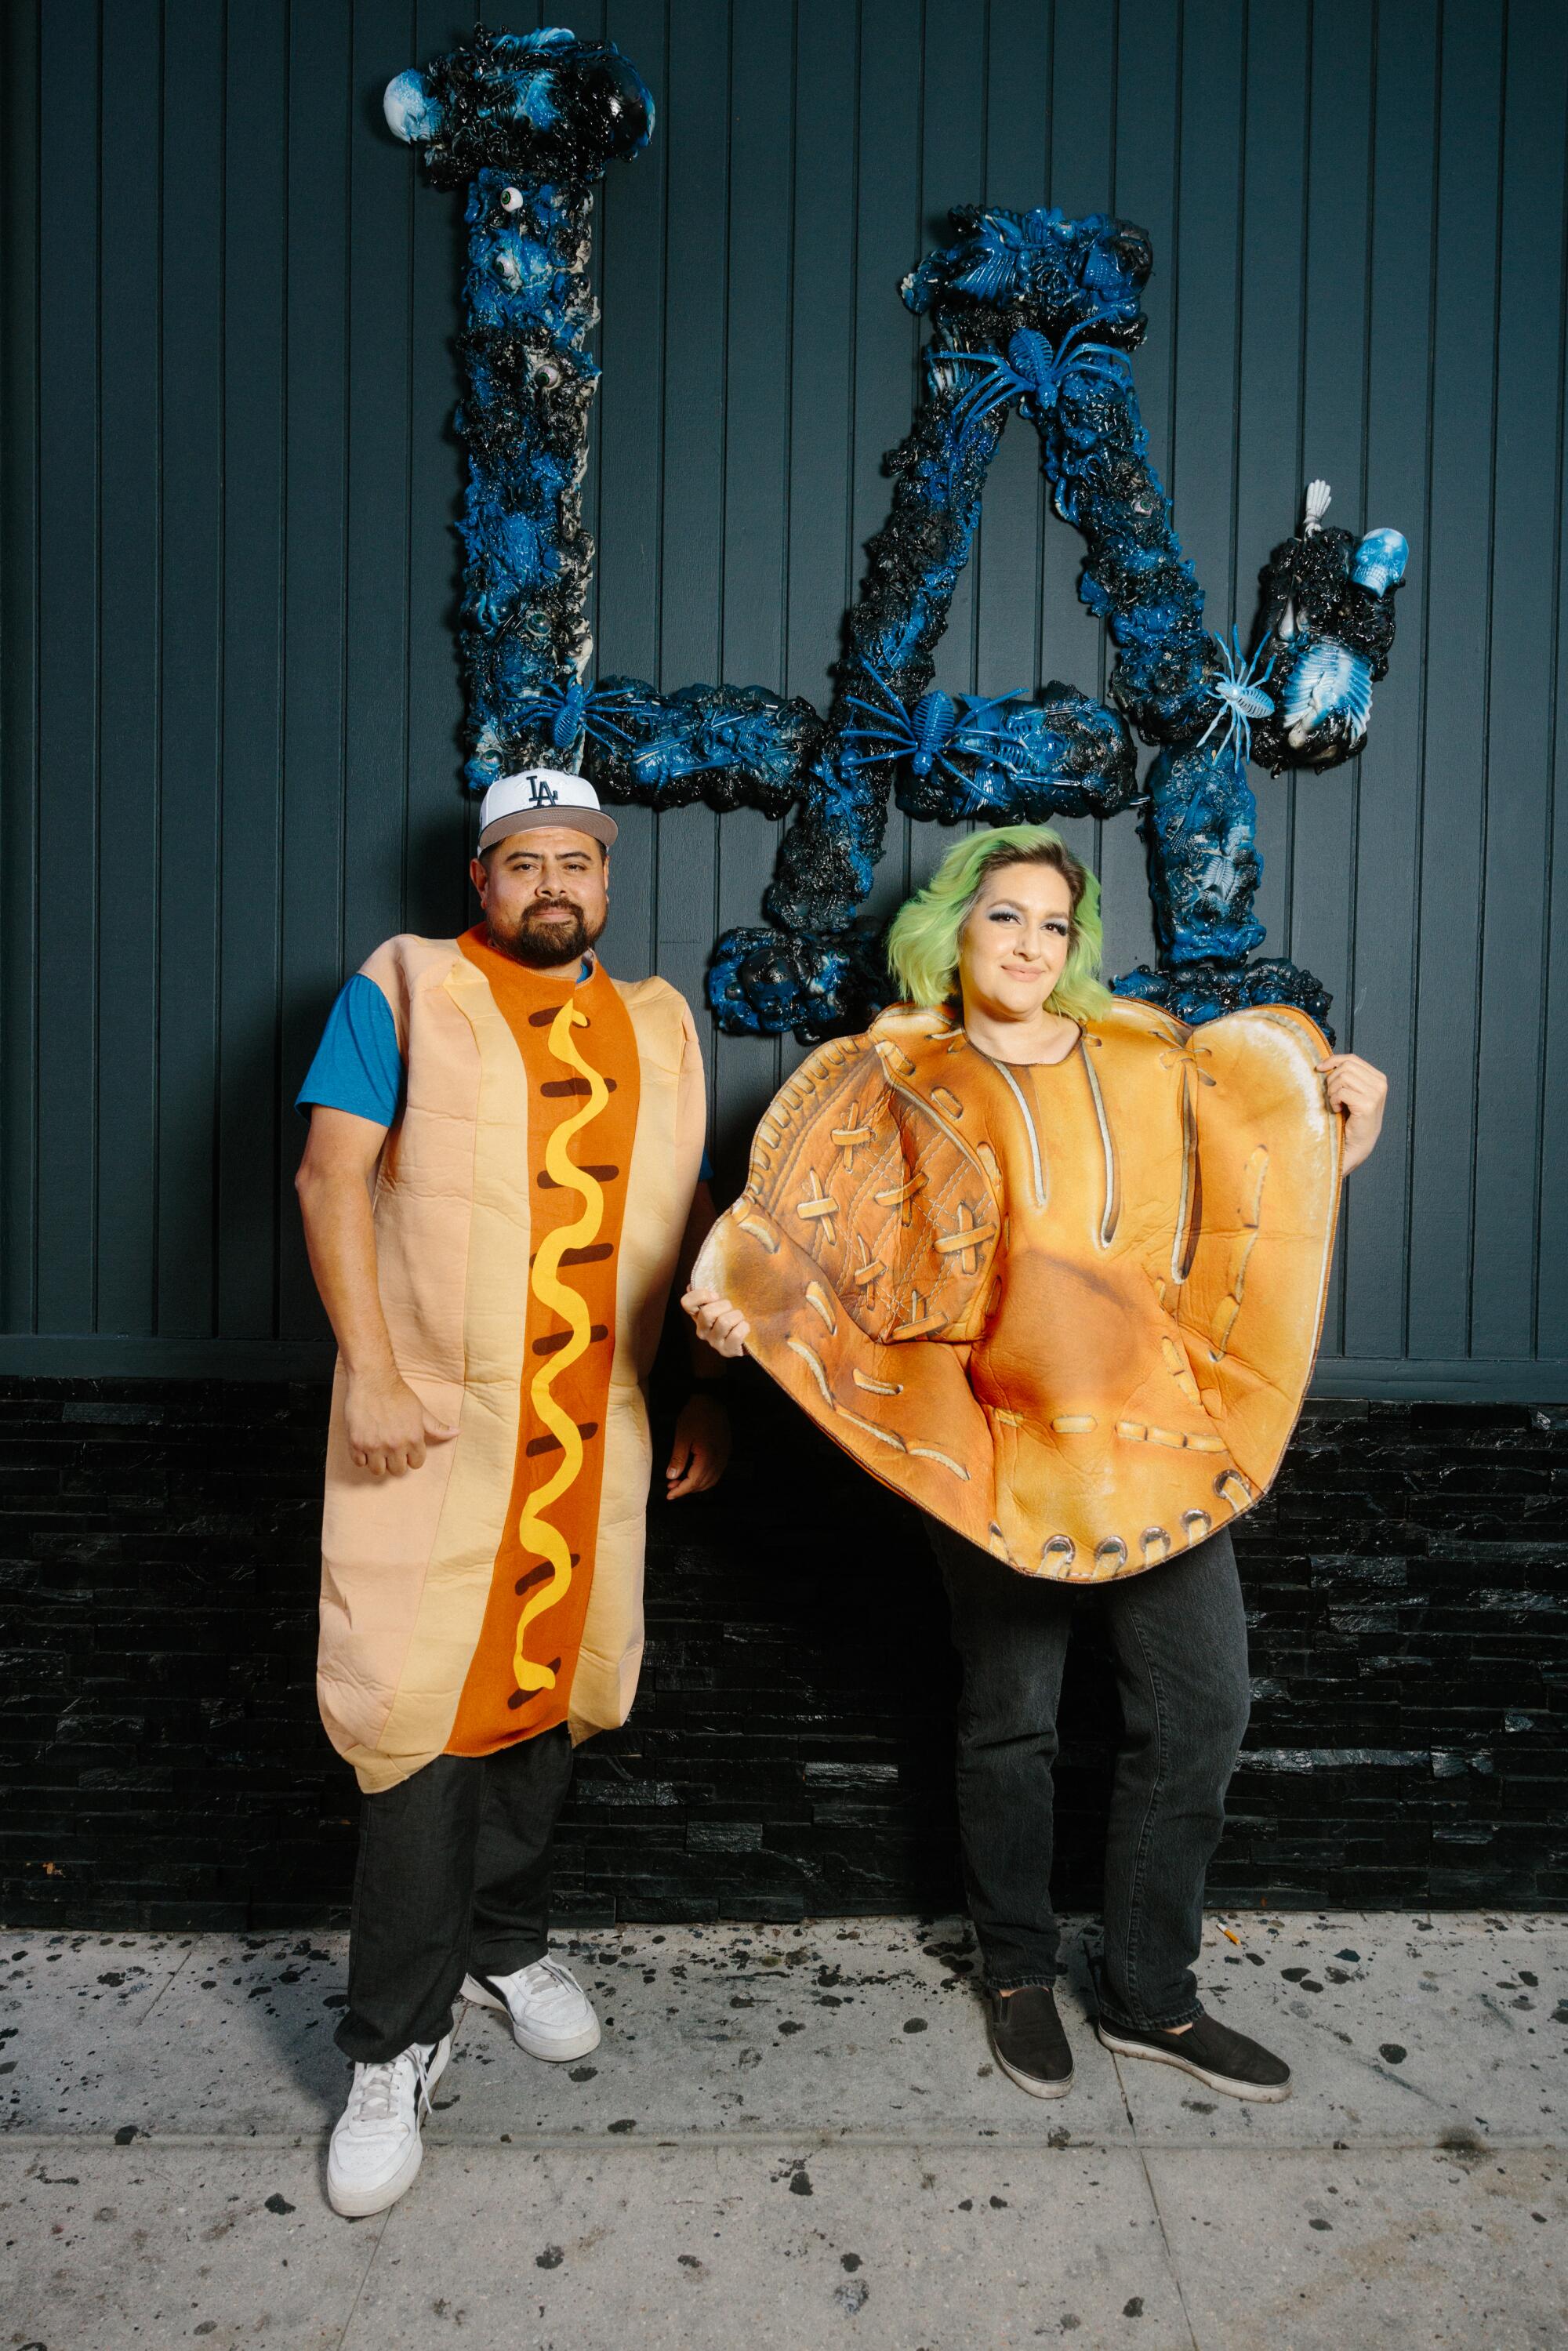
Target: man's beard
{"type": "Point", "coordinates": [540, 943]}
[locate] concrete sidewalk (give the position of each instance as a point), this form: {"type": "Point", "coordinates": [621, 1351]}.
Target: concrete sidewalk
{"type": "Point", "coordinates": [795, 2137]}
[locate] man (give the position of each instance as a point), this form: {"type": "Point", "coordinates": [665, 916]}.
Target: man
{"type": "Point", "coordinates": [502, 1180]}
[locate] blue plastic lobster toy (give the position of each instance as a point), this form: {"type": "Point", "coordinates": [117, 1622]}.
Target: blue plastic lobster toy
{"type": "Point", "coordinates": [1029, 311]}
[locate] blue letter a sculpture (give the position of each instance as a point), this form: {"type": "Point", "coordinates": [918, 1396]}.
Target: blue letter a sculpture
{"type": "Point", "coordinates": [1028, 311]}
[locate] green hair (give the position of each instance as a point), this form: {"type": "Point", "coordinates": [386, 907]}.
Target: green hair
{"type": "Point", "coordinates": [922, 946]}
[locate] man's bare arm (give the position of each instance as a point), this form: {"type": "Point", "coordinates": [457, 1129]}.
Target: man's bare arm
{"type": "Point", "coordinates": [388, 1427]}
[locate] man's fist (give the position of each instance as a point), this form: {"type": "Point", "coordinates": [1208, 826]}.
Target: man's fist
{"type": "Point", "coordinates": [387, 1427]}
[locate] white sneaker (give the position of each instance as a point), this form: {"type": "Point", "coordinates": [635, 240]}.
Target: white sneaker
{"type": "Point", "coordinates": [376, 2150]}
{"type": "Point", "coordinates": [550, 2014]}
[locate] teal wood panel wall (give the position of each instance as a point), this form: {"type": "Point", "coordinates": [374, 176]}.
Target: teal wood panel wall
{"type": "Point", "coordinates": [229, 689]}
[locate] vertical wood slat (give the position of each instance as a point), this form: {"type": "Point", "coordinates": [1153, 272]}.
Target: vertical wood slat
{"type": "Point", "coordinates": [1453, 825]}
{"type": "Point", "coordinates": [382, 193]}
{"type": "Point", "coordinates": [64, 946]}
{"type": "Point", "coordinates": [1552, 1234]}
{"type": "Point", "coordinates": [129, 446]}
{"type": "Point", "coordinates": [1205, 262]}
{"type": "Point", "coordinates": [1009, 588]}
{"type": "Point", "coordinates": [1333, 444]}
{"type": "Point", "coordinates": [890, 234]}
{"type": "Point", "coordinates": [20, 223]}
{"type": "Point", "coordinates": [1334, 435]}
{"type": "Point", "coordinates": [1524, 534]}
{"type": "Point", "coordinates": [1145, 188]}
{"type": "Point", "coordinates": [1082, 177]}
{"type": "Point", "coordinates": [823, 572]}
{"type": "Point", "coordinates": [438, 899]}
{"type": "Point", "coordinates": [1280, 163]}
{"type": "Point", "coordinates": [952, 128]}
{"type": "Point", "coordinates": [629, 429]}
{"type": "Point", "coordinates": [822, 568]}
{"type": "Point", "coordinates": [697, 163]}
{"type": "Point", "coordinates": [756, 494]}
{"type": "Point", "coordinates": [243, 679]}
{"type": "Point", "coordinates": [254, 356]}
{"type": "Point", "coordinates": [316, 238]}
{"type": "Point", "coordinates": [1378, 1006]}
{"type": "Point", "coordinates": [191, 664]}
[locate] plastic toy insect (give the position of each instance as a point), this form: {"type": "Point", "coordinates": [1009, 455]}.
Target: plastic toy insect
{"type": "Point", "coordinates": [1329, 691]}
{"type": "Point", "coordinates": [1035, 371]}
{"type": "Point", "coordinates": [923, 736]}
{"type": "Point", "coordinates": [1240, 696]}
{"type": "Point", "coordinates": [666, 759]}
{"type": "Point", "coordinates": [1010, 248]}
{"type": "Point", "coordinates": [562, 715]}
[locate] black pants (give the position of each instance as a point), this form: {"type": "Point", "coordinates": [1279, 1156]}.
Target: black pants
{"type": "Point", "coordinates": [453, 1876]}
{"type": "Point", "coordinates": [1179, 1636]}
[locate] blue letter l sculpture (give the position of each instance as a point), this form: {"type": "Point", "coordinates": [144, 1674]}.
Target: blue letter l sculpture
{"type": "Point", "coordinates": [1028, 311]}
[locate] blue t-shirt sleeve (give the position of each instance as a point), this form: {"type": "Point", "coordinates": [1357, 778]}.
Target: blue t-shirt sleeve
{"type": "Point", "coordinates": [358, 1066]}
{"type": "Point", "coordinates": [705, 1173]}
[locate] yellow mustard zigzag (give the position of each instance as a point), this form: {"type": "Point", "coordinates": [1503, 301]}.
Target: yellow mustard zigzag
{"type": "Point", "coordinates": [534, 1528]}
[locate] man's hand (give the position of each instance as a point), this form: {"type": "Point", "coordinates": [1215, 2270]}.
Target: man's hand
{"type": "Point", "coordinates": [1358, 1092]}
{"type": "Point", "coordinates": [701, 1448]}
{"type": "Point", "coordinates": [720, 1326]}
{"type": "Point", "coordinates": [387, 1427]}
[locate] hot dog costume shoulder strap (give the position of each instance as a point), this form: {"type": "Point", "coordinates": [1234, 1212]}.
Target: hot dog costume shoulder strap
{"type": "Point", "coordinates": [1070, 1311]}
{"type": "Point", "coordinates": [530, 1207]}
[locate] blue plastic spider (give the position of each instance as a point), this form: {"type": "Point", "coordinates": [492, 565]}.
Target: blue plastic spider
{"type": "Point", "coordinates": [1240, 696]}
{"type": "Point", "coordinates": [922, 735]}
{"type": "Point", "coordinates": [564, 713]}
{"type": "Point", "coordinates": [1035, 371]}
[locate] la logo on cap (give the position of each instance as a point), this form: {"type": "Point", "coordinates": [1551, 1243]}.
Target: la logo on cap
{"type": "Point", "coordinates": [542, 795]}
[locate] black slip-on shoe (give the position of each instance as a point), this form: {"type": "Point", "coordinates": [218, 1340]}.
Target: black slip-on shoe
{"type": "Point", "coordinates": [1030, 2044]}
{"type": "Point", "coordinates": [1211, 2054]}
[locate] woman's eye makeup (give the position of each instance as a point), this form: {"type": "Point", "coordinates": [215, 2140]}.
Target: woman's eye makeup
{"type": "Point", "coordinates": [1010, 914]}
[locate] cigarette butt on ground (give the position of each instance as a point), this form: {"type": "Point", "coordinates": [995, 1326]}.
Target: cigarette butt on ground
{"type": "Point", "coordinates": [1235, 1938]}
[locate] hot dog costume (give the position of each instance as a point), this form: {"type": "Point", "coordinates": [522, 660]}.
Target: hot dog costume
{"type": "Point", "coordinates": [1071, 1310]}
{"type": "Point", "coordinates": [530, 1207]}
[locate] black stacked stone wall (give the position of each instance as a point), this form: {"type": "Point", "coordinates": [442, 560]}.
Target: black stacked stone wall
{"type": "Point", "coordinates": [1407, 1583]}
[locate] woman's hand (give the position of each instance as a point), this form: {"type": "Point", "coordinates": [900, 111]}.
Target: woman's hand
{"type": "Point", "coordinates": [387, 1427]}
{"type": "Point", "coordinates": [720, 1326]}
{"type": "Point", "coordinates": [1358, 1092]}
{"type": "Point", "coordinates": [701, 1447]}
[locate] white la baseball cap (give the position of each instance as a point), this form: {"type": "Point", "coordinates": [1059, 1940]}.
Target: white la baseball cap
{"type": "Point", "coordinates": [542, 795]}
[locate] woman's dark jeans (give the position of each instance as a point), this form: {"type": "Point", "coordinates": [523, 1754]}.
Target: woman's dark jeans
{"type": "Point", "coordinates": [1179, 1636]}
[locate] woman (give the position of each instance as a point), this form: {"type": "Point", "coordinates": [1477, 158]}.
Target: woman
{"type": "Point", "coordinates": [1054, 1266]}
